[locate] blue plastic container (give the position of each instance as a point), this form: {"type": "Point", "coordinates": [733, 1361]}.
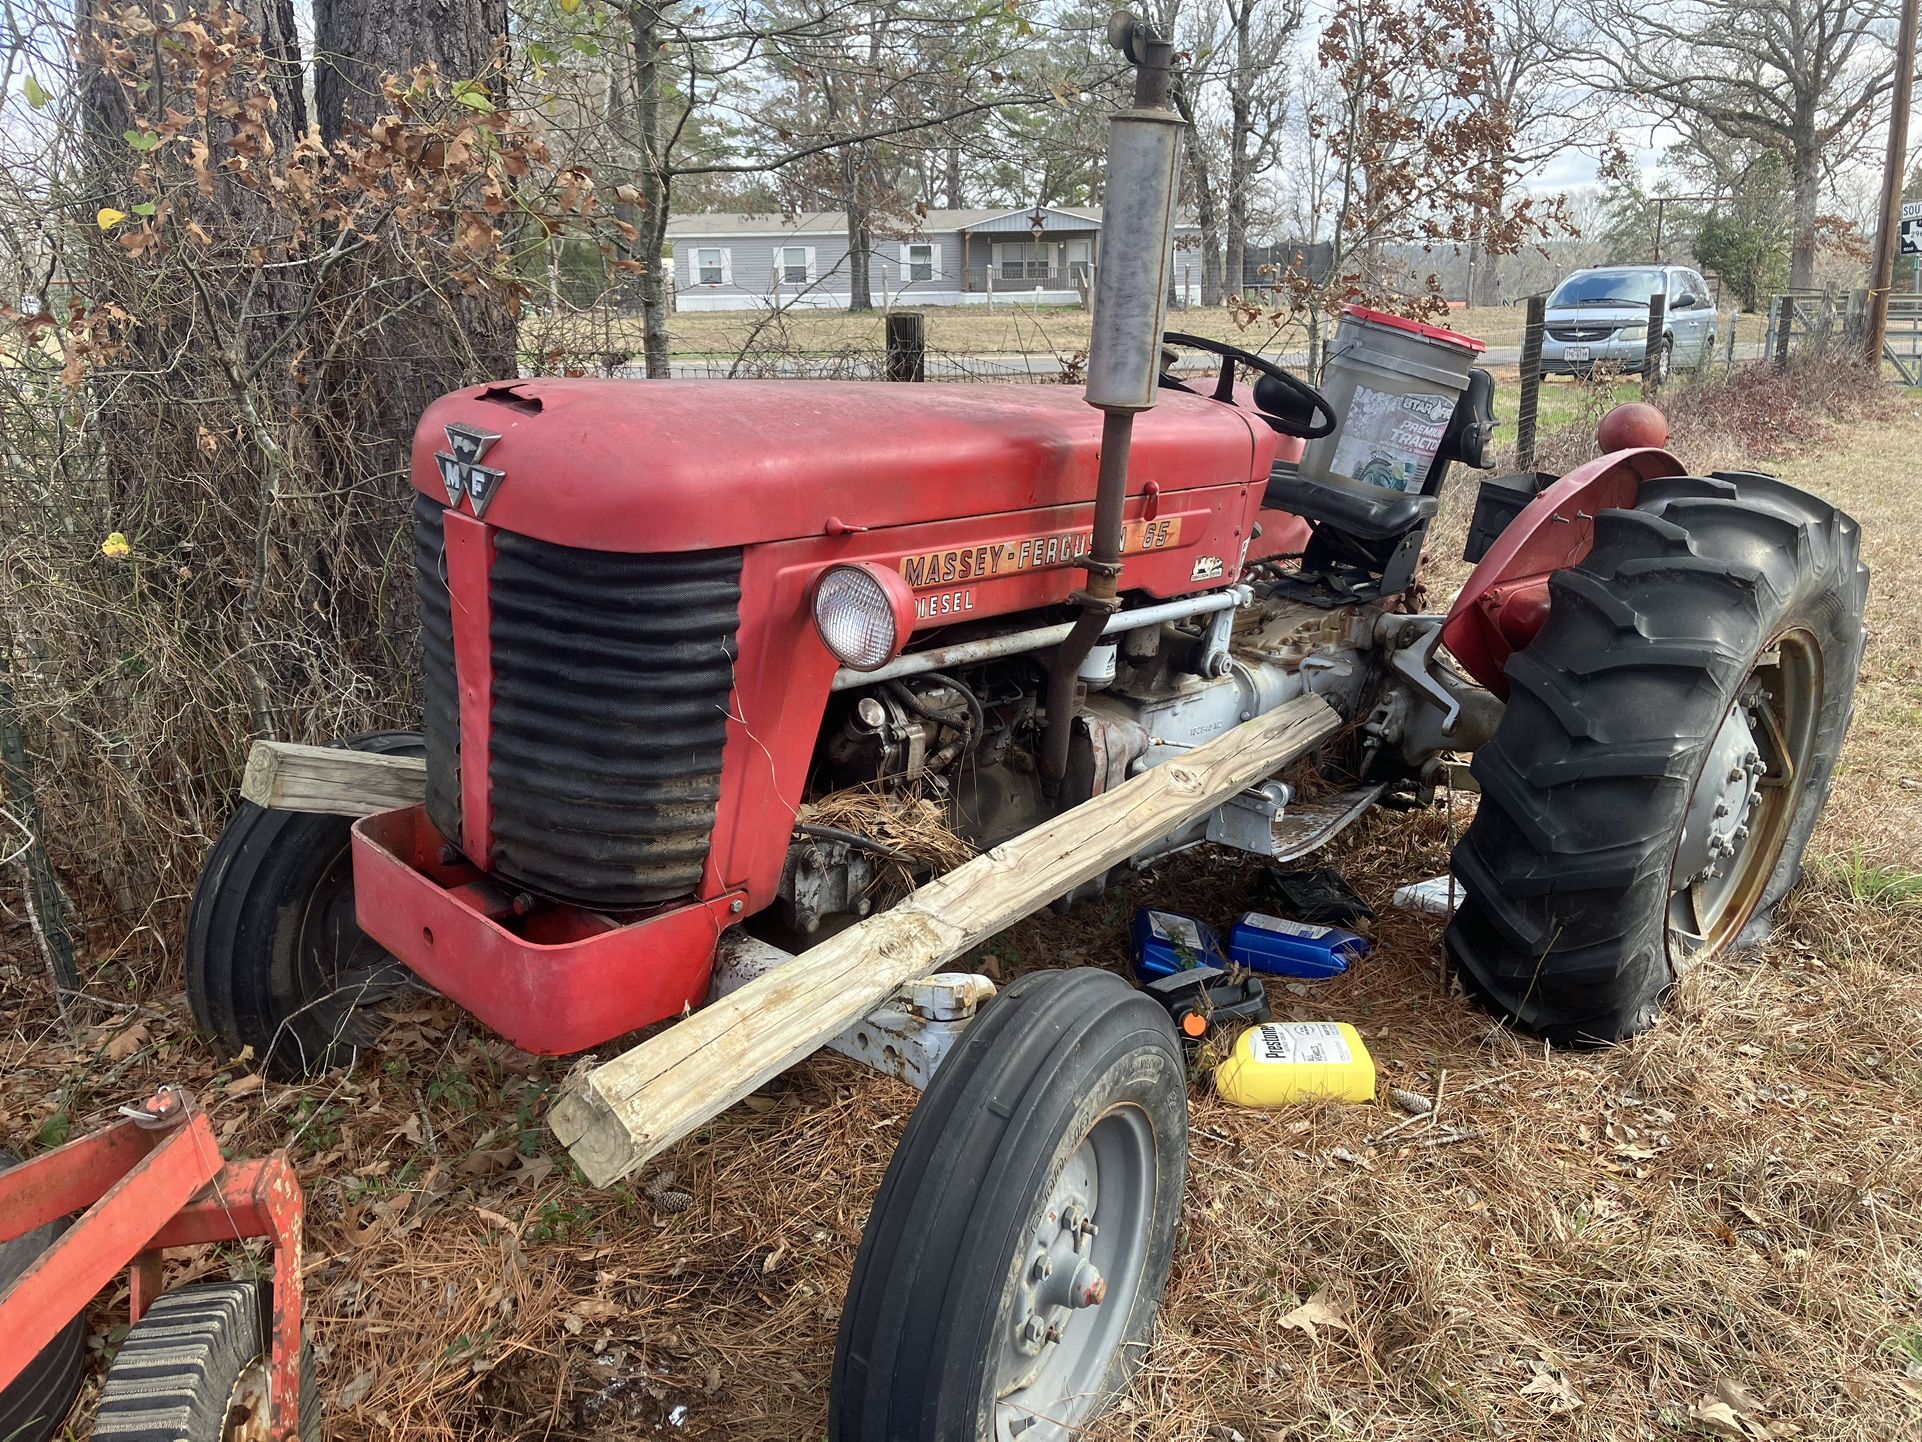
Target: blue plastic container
{"type": "Point", "coordinates": [1280, 947]}
{"type": "Point", "coordinates": [1167, 942]}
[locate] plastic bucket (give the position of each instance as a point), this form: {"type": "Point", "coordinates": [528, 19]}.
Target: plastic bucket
{"type": "Point", "coordinates": [1394, 384]}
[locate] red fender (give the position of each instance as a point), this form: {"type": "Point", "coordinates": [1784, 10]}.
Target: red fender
{"type": "Point", "coordinates": [1506, 599]}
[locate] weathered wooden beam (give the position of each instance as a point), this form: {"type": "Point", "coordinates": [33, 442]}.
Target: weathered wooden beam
{"type": "Point", "coordinates": [617, 1115]}
{"type": "Point", "coordinates": [285, 777]}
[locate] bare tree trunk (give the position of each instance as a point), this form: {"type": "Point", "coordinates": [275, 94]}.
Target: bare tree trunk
{"type": "Point", "coordinates": [1240, 123]}
{"type": "Point", "coordinates": [654, 181]}
{"type": "Point", "coordinates": [860, 238]}
{"type": "Point", "coordinates": [953, 196]}
{"type": "Point", "coordinates": [1804, 180]}
{"type": "Point", "coordinates": [1204, 191]}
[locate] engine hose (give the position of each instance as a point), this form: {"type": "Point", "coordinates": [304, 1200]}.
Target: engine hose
{"type": "Point", "coordinates": [977, 721]}
{"type": "Point", "coordinates": [864, 843]}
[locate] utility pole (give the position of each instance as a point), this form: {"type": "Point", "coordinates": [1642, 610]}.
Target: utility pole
{"type": "Point", "coordinates": [1882, 278]}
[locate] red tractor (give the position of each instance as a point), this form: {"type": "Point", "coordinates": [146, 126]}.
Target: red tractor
{"type": "Point", "coordinates": [660, 617]}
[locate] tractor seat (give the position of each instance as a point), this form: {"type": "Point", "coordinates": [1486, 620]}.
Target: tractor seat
{"type": "Point", "coordinates": [1368, 513]}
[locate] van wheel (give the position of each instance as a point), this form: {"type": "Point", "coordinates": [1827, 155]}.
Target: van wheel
{"type": "Point", "coordinates": [1009, 1275]}
{"type": "Point", "coordinates": [1663, 363]}
{"type": "Point", "coordinates": [276, 960]}
{"type": "Point", "coordinates": [1668, 744]}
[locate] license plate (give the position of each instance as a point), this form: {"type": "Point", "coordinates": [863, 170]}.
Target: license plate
{"type": "Point", "coordinates": [1575, 352]}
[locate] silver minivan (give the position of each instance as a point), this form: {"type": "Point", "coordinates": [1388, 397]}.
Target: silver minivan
{"type": "Point", "coordinates": [1600, 317]}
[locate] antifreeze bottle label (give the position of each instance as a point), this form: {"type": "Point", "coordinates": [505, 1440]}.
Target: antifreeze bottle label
{"type": "Point", "coordinates": [1298, 1043]}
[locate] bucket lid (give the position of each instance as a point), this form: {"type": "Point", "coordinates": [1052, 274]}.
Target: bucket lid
{"type": "Point", "coordinates": [1417, 327]}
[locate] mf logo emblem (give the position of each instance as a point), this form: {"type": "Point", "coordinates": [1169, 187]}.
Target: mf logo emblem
{"type": "Point", "coordinates": [461, 470]}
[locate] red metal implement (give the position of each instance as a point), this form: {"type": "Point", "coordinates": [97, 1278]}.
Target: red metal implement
{"type": "Point", "coordinates": [153, 1181]}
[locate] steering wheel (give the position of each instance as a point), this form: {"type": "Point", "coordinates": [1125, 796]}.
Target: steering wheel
{"type": "Point", "coordinates": [1297, 407]}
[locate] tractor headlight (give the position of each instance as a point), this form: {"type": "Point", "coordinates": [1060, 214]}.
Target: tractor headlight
{"type": "Point", "coordinates": [864, 613]}
{"type": "Point", "coordinates": [1632, 333]}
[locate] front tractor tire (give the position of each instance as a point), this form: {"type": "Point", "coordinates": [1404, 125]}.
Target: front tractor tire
{"type": "Point", "coordinates": [1020, 1243]}
{"type": "Point", "coordinates": [1669, 741]}
{"type": "Point", "coordinates": [276, 960]}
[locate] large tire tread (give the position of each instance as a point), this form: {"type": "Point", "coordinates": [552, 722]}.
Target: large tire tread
{"type": "Point", "coordinates": [173, 1376]}
{"type": "Point", "coordinates": [1612, 708]}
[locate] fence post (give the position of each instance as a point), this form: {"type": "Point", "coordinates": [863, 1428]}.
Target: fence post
{"type": "Point", "coordinates": [1784, 322]}
{"type": "Point", "coordinates": [1531, 369]}
{"type": "Point", "coordinates": [1734, 320]}
{"type": "Point", "coordinates": [1854, 329]}
{"type": "Point", "coordinates": [1652, 346]}
{"type": "Point", "coordinates": [990, 288]}
{"type": "Point", "coordinates": [907, 346]}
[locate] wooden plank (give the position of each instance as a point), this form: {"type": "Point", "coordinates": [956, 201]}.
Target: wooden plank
{"type": "Point", "coordinates": [331, 779]}
{"type": "Point", "coordinates": [615, 1116]}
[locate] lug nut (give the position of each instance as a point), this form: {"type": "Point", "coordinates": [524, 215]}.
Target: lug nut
{"type": "Point", "coordinates": [1036, 1331]}
{"type": "Point", "coordinates": [1721, 810]}
{"type": "Point", "coordinates": [1043, 1269]}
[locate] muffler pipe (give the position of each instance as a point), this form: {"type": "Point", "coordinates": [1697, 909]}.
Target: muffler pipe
{"type": "Point", "coordinates": [1124, 349]}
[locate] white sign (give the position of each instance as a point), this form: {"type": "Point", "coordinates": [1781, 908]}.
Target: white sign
{"type": "Point", "coordinates": [1911, 232]}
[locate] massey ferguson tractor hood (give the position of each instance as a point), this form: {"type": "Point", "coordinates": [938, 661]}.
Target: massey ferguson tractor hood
{"type": "Point", "coordinates": [609, 465]}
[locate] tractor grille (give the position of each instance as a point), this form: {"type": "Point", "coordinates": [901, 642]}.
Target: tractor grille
{"type": "Point", "coordinates": [613, 678]}
{"type": "Point", "coordinates": [440, 701]}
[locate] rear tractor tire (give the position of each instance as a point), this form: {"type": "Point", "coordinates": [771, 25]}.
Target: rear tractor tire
{"type": "Point", "coordinates": [275, 958]}
{"type": "Point", "coordinates": [1020, 1243]}
{"type": "Point", "coordinates": [1669, 741]}
{"type": "Point", "coordinates": [194, 1369]}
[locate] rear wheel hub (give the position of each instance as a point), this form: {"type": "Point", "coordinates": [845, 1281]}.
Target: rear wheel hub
{"type": "Point", "coordinates": [1745, 798]}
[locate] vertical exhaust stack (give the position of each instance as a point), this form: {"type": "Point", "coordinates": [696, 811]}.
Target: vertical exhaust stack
{"type": "Point", "coordinates": [1124, 352]}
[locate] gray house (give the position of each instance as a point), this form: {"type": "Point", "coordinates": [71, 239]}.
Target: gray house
{"type": "Point", "coordinates": [957, 257]}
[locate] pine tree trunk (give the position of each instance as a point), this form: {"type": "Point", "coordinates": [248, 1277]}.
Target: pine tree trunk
{"type": "Point", "coordinates": [424, 342]}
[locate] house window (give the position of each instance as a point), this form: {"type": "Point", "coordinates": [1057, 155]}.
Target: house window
{"type": "Point", "coordinates": [710, 266]}
{"type": "Point", "coordinates": [920, 262]}
{"type": "Point", "coordinates": [1081, 260]}
{"type": "Point", "coordinates": [794, 265]}
{"type": "Point", "coordinates": [1021, 260]}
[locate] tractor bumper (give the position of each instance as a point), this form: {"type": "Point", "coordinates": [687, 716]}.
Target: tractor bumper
{"type": "Point", "coordinates": [549, 977]}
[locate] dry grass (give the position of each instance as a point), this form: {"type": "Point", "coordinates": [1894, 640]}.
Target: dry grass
{"type": "Point", "coordinates": [1012, 328]}
{"type": "Point", "coordinates": [1731, 1200]}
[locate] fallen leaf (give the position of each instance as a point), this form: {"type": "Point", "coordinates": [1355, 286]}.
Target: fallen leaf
{"type": "Point", "coordinates": [345, 1399]}
{"type": "Point", "coordinates": [486, 1162]}
{"type": "Point", "coordinates": [1728, 1409]}
{"type": "Point", "coordinates": [1553, 1385]}
{"type": "Point", "coordinates": [127, 1042]}
{"type": "Point", "coordinates": [107, 217]}
{"type": "Point", "coordinates": [1314, 1313]}
{"type": "Point", "coordinates": [773, 1259]}
{"type": "Point", "coordinates": [243, 1086]}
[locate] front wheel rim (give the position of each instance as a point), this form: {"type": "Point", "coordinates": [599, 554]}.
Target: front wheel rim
{"type": "Point", "coordinates": [1077, 1275]}
{"type": "Point", "coordinates": [1742, 806]}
